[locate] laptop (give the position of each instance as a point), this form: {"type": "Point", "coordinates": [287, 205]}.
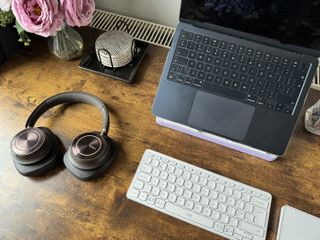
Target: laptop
{"type": "Point", "coordinates": [241, 69]}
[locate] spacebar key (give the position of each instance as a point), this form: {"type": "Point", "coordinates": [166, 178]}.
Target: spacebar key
{"type": "Point", "coordinates": [188, 215]}
{"type": "Point", "coordinates": [224, 91]}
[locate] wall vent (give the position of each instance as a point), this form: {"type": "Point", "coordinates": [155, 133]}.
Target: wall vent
{"type": "Point", "coordinates": [141, 30]}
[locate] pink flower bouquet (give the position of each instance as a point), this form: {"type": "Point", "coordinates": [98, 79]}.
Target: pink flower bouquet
{"type": "Point", "coordinates": [46, 17]}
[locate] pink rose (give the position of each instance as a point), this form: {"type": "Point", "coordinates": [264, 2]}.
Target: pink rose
{"type": "Point", "coordinates": [41, 17]}
{"type": "Point", "coordinates": [78, 12]}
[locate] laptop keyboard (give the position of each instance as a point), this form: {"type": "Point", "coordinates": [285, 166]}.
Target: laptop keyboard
{"type": "Point", "coordinates": [237, 71]}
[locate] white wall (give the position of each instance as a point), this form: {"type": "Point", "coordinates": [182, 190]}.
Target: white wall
{"type": "Point", "coordinates": [164, 12]}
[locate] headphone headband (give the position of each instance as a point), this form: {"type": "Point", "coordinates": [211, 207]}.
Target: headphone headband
{"type": "Point", "coordinates": [70, 97]}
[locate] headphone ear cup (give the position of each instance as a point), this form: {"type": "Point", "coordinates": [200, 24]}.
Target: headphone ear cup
{"type": "Point", "coordinates": [89, 155]}
{"type": "Point", "coordinates": [35, 151]}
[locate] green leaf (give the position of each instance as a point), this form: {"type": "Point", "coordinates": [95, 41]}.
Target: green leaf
{"type": "Point", "coordinates": [18, 27]}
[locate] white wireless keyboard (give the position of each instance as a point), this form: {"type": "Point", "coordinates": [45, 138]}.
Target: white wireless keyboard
{"type": "Point", "coordinates": [202, 198]}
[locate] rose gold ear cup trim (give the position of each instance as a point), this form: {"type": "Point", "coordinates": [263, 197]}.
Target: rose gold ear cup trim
{"type": "Point", "coordinates": [30, 145]}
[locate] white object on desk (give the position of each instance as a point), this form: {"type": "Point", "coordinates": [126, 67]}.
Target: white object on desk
{"type": "Point", "coordinates": [202, 198]}
{"type": "Point", "coordinates": [216, 139]}
{"type": "Point", "coordinates": [295, 224]}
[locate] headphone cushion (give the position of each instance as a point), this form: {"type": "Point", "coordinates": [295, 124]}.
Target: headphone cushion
{"type": "Point", "coordinates": [42, 165]}
{"type": "Point", "coordinates": [88, 174]}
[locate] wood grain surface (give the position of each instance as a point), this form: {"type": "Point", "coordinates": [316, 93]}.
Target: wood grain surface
{"type": "Point", "coordinates": [59, 206]}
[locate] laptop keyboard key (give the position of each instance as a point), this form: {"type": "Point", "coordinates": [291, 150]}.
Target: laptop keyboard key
{"type": "Point", "coordinates": [182, 52]}
{"type": "Point", "coordinates": [199, 47]}
{"type": "Point", "coordinates": [182, 43]}
{"type": "Point", "coordinates": [193, 72]}
{"type": "Point", "coordinates": [188, 80]}
{"type": "Point", "coordinates": [206, 40]}
{"type": "Point", "coordinates": [227, 82]}
{"type": "Point", "coordinates": [200, 57]}
{"type": "Point", "coordinates": [241, 49]}
{"type": "Point", "coordinates": [185, 71]}
{"type": "Point", "coordinates": [172, 76]}
{"type": "Point", "coordinates": [186, 35]}
{"type": "Point", "coordinates": [208, 59]}
{"type": "Point", "coordinates": [251, 98]}
{"type": "Point", "coordinates": [235, 85]}
{"type": "Point", "coordinates": [191, 45]}
{"type": "Point", "coordinates": [200, 66]}
{"type": "Point", "coordinates": [209, 78]}
{"type": "Point", "coordinates": [175, 68]}
{"type": "Point", "coordinates": [261, 101]}
{"type": "Point", "coordinates": [244, 87]}
{"type": "Point", "coordinates": [232, 47]}
{"type": "Point", "coordinates": [214, 43]}
{"type": "Point", "coordinates": [192, 55]}
{"type": "Point", "coordinates": [180, 78]}
{"type": "Point", "coordinates": [181, 60]}
{"type": "Point", "coordinates": [201, 75]}
{"type": "Point", "coordinates": [208, 50]}
{"type": "Point", "coordinates": [250, 52]}
{"type": "Point", "coordinates": [197, 38]}
{"type": "Point", "coordinates": [218, 80]}
{"type": "Point", "coordinates": [198, 83]}
{"type": "Point", "coordinates": [223, 45]}
{"type": "Point", "coordinates": [192, 63]}
{"type": "Point", "coordinates": [279, 107]}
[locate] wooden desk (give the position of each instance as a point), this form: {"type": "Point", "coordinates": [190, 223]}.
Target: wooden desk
{"type": "Point", "coordinates": [59, 206]}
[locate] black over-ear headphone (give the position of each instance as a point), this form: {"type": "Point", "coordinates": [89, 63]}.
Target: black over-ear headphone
{"type": "Point", "coordinates": [35, 150]}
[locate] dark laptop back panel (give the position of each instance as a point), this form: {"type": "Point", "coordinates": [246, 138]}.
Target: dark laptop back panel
{"type": "Point", "coordinates": [191, 79]}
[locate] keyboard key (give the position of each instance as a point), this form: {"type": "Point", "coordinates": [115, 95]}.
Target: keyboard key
{"type": "Point", "coordinates": [200, 57]}
{"type": "Point", "coordinates": [182, 52]}
{"type": "Point", "coordinates": [208, 50]}
{"type": "Point", "coordinates": [260, 202]}
{"type": "Point", "coordinates": [241, 49]}
{"type": "Point", "coordinates": [144, 177]}
{"type": "Point", "coordinates": [134, 193]}
{"type": "Point", "coordinates": [251, 229]}
{"type": "Point", "coordinates": [206, 40]}
{"type": "Point", "coordinates": [190, 45]}
{"type": "Point", "coordinates": [219, 227]}
{"type": "Point", "coordinates": [143, 196]}
{"type": "Point", "coordinates": [186, 35]}
{"type": "Point", "coordinates": [198, 83]}
{"type": "Point", "coordinates": [223, 44]}
{"type": "Point", "coordinates": [197, 38]}
{"type": "Point", "coordinates": [214, 42]}
{"type": "Point", "coordinates": [172, 76]}
{"type": "Point", "coordinates": [180, 60]}
{"type": "Point", "coordinates": [208, 59]}
{"type": "Point", "coordinates": [175, 68]}
{"type": "Point", "coordinates": [199, 47]}
{"type": "Point", "coordinates": [160, 203]}
{"type": "Point", "coordinates": [207, 222]}
{"type": "Point", "coordinates": [182, 43]}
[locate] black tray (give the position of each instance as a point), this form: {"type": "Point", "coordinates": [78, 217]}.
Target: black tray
{"type": "Point", "coordinates": [90, 62]}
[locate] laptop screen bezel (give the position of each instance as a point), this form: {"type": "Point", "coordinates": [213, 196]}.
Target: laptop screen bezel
{"type": "Point", "coordinates": [250, 36]}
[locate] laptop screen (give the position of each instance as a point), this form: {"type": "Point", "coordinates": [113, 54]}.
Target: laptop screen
{"type": "Point", "coordinates": [294, 22]}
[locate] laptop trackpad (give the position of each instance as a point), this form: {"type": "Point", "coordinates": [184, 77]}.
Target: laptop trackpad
{"type": "Point", "coordinates": [221, 115]}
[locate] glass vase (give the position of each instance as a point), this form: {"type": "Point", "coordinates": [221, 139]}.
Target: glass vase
{"type": "Point", "coordinates": [67, 44]}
